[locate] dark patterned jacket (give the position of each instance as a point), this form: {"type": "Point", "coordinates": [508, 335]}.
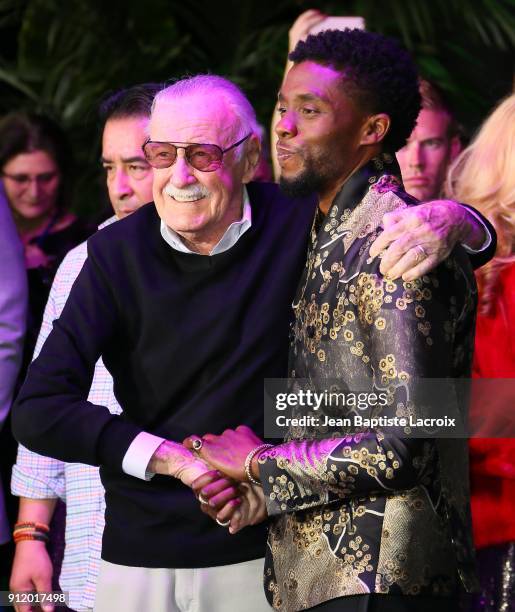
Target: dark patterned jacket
{"type": "Point", "coordinates": [369, 512]}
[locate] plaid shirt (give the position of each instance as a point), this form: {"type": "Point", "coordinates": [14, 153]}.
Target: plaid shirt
{"type": "Point", "coordinates": [38, 477]}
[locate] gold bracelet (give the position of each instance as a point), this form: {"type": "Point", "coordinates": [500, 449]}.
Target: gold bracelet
{"type": "Point", "coordinates": [248, 461]}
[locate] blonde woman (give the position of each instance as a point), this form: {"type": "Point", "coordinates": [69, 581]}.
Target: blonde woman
{"type": "Point", "coordinates": [484, 176]}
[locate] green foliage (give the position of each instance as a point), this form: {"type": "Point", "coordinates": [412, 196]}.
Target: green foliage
{"type": "Point", "coordinates": [62, 56]}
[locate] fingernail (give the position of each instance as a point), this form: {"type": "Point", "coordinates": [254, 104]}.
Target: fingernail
{"type": "Point", "coordinates": [234, 529]}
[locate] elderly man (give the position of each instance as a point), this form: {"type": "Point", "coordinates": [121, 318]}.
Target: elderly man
{"type": "Point", "coordinates": [39, 481]}
{"type": "Point", "coordinates": [189, 304]}
{"type": "Point", "coordinates": [378, 520]}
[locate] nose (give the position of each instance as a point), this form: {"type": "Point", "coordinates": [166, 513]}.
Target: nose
{"type": "Point", "coordinates": [34, 189]}
{"type": "Point", "coordinates": [121, 185]}
{"type": "Point", "coordinates": [286, 126]}
{"type": "Point", "coordinates": [181, 172]}
{"type": "Point", "coordinates": [415, 155]}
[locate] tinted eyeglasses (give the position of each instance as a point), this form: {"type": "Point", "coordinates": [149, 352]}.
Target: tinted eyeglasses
{"type": "Point", "coordinates": [203, 157]}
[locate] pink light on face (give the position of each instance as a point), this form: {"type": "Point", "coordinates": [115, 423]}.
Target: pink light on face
{"type": "Point", "coordinates": [219, 203]}
{"type": "Point", "coordinates": [128, 174]}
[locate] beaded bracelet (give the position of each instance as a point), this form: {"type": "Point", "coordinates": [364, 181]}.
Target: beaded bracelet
{"type": "Point", "coordinates": [23, 537]}
{"type": "Point", "coordinates": [248, 461]}
{"type": "Point", "coordinates": [29, 530]}
{"type": "Point", "coordinates": [33, 525]}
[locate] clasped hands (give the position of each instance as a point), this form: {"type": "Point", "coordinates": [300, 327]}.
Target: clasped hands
{"type": "Point", "coordinates": [214, 467]}
{"type": "Point", "coordinates": [224, 492]}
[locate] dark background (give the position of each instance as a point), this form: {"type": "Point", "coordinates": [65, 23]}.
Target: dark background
{"type": "Point", "coordinates": [62, 56]}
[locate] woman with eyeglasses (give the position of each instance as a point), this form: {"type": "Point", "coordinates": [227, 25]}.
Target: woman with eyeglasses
{"type": "Point", "coordinates": [36, 170]}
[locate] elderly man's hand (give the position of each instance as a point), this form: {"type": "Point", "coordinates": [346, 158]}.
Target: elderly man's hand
{"type": "Point", "coordinates": [227, 453]}
{"type": "Point", "coordinates": [225, 501]}
{"type": "Point", "coordinates": [172, 459]}
{"type": "Point", "coordinates": [418, 238]}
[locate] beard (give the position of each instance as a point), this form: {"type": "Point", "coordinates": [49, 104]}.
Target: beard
{"type": "Point", "coordinates": [306, 183]}
{"type": "Point", "coordinates": [316, 176]}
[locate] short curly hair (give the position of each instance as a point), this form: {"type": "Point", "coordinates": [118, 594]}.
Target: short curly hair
{"type": "Point", "coordinates": [378, 74]}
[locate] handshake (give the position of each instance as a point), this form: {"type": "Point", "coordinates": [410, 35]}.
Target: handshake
{"type": "Point", "coordinates": [223, 473]}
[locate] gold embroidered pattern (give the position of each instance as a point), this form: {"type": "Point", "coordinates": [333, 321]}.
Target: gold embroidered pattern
{"type": "Point", "coordinates": [367, 512]}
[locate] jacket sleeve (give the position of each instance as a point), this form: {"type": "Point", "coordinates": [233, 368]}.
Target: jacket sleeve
{"type": "Point", "coordinates": [52, 415]}
{"type": "Point", "coordinates": [409, 327]}
{"type": "Point", "coordinates": [480, 258]}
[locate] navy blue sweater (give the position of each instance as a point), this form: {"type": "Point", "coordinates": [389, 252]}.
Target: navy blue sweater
{"type": "Point", "coordinates": [188, 340]}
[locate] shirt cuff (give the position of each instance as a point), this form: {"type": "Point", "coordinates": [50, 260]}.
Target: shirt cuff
{"type": "Point", "coordinates": [488, 240]}
{"type": "Point", "coordinates": [138, 455]}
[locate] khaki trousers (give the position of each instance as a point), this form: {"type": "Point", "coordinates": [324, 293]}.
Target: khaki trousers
{"type": "Point", "coordinates": [227, 588]}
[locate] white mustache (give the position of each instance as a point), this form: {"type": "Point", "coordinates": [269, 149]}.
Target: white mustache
{"type": "Point", "coordinates": [186, 194]}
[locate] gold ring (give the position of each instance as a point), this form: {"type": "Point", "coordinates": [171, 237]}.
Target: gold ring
{"type": "Point", "coordinates": [226, 524]}
{"type": "Point", "coordinates": [202, 499]}
{"type": "Point", "coordinates": [420, 253]}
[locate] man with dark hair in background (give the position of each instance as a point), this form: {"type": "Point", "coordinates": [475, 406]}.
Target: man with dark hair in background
{"type": "Point", "coordinates": [40, 481]}
{"type": "Point", "coordinates": [433, 144]}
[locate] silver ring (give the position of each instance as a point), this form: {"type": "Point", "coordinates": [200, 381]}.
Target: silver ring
{"type": "Point", "coordinates": [202, 499]}
{"type": "Point", "coordinates": [197, 444]}
{"type": "Point", "coordinates": [226, 524]}
{"type": "Point", "coordinates": [421, 251]}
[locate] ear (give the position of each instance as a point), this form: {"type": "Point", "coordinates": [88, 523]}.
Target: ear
{"type": "Point", "coordinates": [374, 129]}
{"type": "Point", "coordinates": [456, 148]}
{"type": "Point", "coordinates": [251, 158]}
